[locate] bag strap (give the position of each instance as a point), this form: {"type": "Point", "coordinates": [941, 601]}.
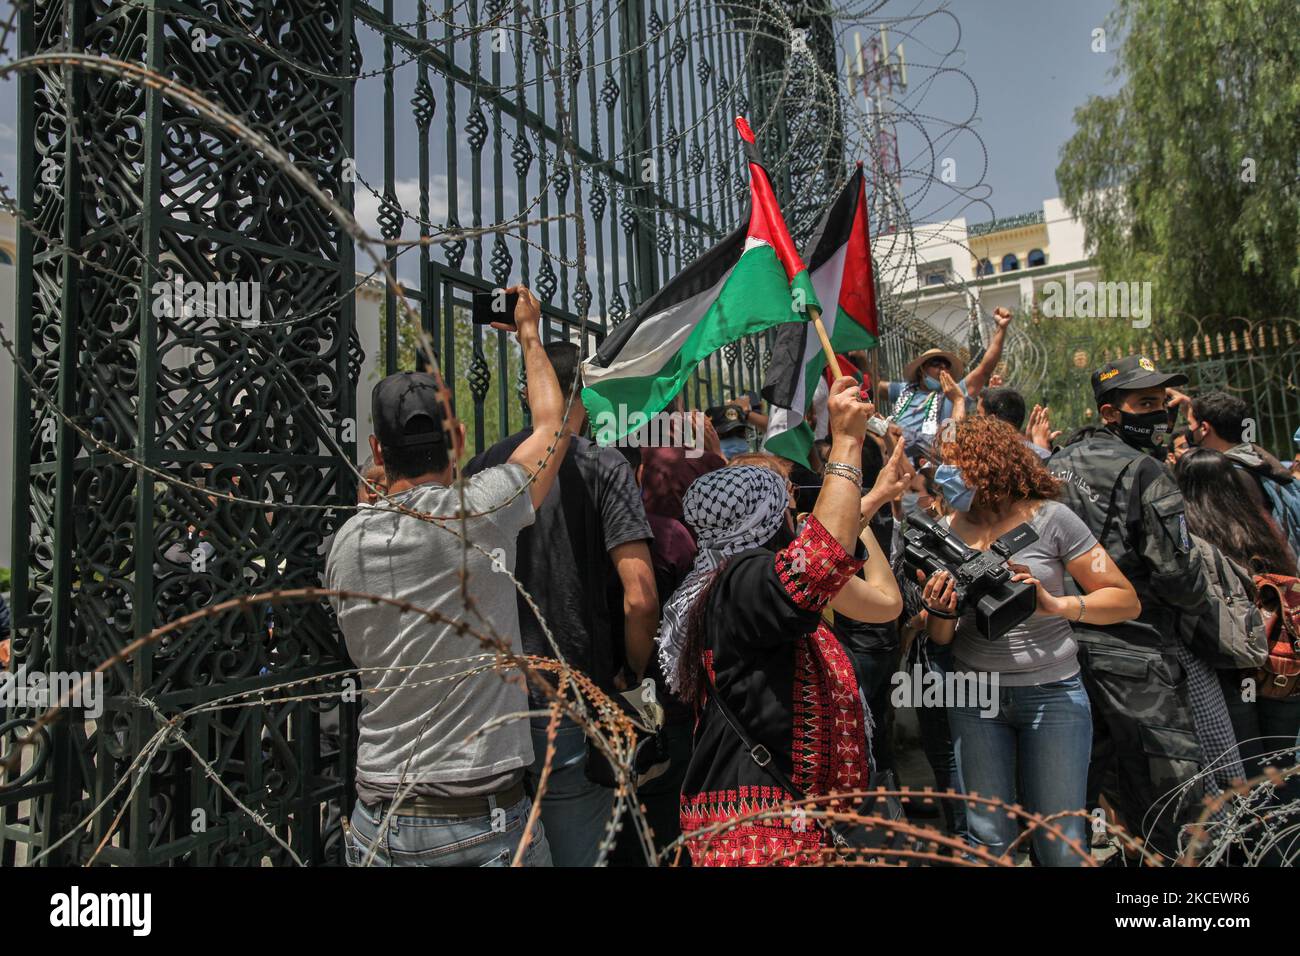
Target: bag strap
{"type": "Point", "coordinates": [757, 752]}
{"type": "Point", "coordinates": [1288, 602]}
{"type": "Point", "coordinates": [1110, 505]}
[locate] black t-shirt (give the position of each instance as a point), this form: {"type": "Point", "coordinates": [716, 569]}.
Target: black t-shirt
{"type": "Point", "coordinates": [563, 557]}
{"type": "Point", "coordinates": [858, 636]}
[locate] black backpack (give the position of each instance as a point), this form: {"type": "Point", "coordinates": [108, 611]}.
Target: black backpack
{"type": "Point", "coordinates": [1231, 636]}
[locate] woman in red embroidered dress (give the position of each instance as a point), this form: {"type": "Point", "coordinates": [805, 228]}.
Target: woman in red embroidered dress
{"type": "Point", "coordinates": [743, 638]}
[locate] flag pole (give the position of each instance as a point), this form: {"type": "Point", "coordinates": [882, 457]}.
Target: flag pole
{"type": "Point", "coordinates": [831, 362]}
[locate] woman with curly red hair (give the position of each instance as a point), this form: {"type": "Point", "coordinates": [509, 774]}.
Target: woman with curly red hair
{"type": "Point", "coordinates": [1038, 729]}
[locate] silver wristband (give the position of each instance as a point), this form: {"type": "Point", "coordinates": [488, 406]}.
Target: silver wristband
{"type": "Point", "coordinates": [844, 470]}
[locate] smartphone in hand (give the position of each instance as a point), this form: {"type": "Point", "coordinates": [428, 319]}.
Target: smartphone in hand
{"type": "Point", "coordinates": [495, 306]}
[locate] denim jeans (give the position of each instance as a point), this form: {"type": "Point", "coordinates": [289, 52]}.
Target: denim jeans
{"type": "Point", "coordinates": [444, 841]}
{"type": "Point", "coordinates": [575, 810]}
{"type": "Point", "coordinates": [1045, 733]}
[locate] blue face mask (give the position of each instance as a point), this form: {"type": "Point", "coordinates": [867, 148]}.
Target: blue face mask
{"type": "Point", "coordinates": [932, 383]}
{"type": "Point", "coordinates": [734, 445]}
{"type": "Point", "coordinates": [954, 490]}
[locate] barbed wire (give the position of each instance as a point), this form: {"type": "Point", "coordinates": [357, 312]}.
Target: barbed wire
{"type": "Point", "coordinates": [799, 82]}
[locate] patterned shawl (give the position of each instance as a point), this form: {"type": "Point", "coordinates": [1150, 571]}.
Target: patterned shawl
{"type": "Point", "coordinates": [730, 510]}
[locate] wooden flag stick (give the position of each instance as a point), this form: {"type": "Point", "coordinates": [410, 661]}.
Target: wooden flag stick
{"type": "Point", "coordinates": [832, 363]}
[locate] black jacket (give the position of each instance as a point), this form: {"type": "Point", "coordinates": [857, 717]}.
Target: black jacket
{"type": "Point", "coordinates": [1132, 504]}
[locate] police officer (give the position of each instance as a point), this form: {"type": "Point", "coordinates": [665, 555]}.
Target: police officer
{"type": "Point", "coordinates": [1144, 742]}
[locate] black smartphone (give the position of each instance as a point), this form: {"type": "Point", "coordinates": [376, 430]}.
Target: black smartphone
{"type": "Point", "coordinates": [495, 306]}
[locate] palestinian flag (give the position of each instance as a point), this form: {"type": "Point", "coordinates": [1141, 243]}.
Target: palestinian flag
{"type": "Point", "coordinates": [743, 285]}
{"type": "Point", "coordinates": [840, 267]}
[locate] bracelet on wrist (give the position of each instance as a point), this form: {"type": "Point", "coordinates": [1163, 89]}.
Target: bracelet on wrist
{"type": "Point", "coordinates": [934, 612]}
{"type": "Point", "coordinates": [845, 475]}
{"type": "Point", "coordinates": [844, 470]}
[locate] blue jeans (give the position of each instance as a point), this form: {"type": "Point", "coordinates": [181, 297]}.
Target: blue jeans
{"type": "Point", "coordinates": [1043, 732]}
{"type": "Point", "coordinates": [575, 810]}
{"type": "Point", "coordinates": [445, 841]}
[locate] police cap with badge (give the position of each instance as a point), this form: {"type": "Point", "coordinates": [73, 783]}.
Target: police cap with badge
{"type": "Point", "coordinates": [1132, 373]}
{"type": "Point", "coordinates": [728, 419]}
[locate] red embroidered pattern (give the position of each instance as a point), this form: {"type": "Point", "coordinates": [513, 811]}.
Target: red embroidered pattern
{"type": "Point", "coordinates": [814, 567]}
{"type": "Point", "coordinates": [808, 751]}
{"type": "Point", "coordinates": [829, 749]}
{"type": "Point", "coordinates": [846, 732]}
{"type": "Point", "coordinates": [829, 746]}
{"type": "Point", "coordinates": [753, 843]}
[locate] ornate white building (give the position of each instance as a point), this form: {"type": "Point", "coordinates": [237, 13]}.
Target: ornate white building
{"type": "Point", "coordinates": [952, 267]}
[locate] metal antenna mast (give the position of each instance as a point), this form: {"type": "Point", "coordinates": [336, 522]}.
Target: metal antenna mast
{"type": "Point", "coordinates": [876, 72]}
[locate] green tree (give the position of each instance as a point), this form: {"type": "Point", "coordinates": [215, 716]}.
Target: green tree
{"type": "Point", "coordinates": [1189, 176]}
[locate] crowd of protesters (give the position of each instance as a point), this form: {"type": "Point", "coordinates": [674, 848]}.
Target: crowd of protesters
{"type": "Point", "coordinates": [769, 604]}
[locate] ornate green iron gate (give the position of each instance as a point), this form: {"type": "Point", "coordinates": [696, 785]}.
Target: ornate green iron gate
{"type": "Point", "coordinates": [169, 458]}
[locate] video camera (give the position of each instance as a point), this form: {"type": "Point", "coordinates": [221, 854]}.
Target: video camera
{"type": "Point", "coordinates": [981, 578]}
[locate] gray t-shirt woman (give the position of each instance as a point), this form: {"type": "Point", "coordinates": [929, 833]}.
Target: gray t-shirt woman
{"type": "Point", "coordinates": [1042, 649]}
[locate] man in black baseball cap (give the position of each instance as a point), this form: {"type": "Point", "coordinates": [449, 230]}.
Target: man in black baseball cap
{"type": "Point", "coordinates": [414, 758]}
{"type": "Point", "coordinates": [729, 422]}
{"type": "Point", "coordinates": [1146, 754]}
{"type": "Point", "coordinates": [1130, 394]}
{"type": "Point", "coordinates": [415, 432]}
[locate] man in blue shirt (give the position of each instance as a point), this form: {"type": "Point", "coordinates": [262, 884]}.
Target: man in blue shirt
{"type": "Point", "coordinates": [917, 404]}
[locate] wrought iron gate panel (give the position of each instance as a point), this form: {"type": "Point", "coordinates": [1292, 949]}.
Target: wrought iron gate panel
{"type": "Point", "coordinates": [652, 88]}
{"type": "Point", "coordinates": [149, 193]}
{"type": "Point", "coordinates": [1257, 361]}
{"type": "Point", "coordinates": [621, 179]}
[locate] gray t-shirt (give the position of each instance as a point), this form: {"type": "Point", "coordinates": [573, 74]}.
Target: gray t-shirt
{"type": "Point", "coordinates": [413, 727]}
{"type": "Point", "coordinates": [1041, 649]}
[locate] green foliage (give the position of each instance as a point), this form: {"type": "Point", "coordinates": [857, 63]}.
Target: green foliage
{"type": "Point", "coordinates": [1160, 172]}
{"type": "Point", "coordinates": [408, 341]}
{"type": "Point", "coordinates": [1063, 344]}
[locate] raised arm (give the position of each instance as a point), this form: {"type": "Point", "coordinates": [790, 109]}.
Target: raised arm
{"type": "Point", "coordinates": [874, 598]}
{"type": "Point", "coordinates": [839, 506]}
{"type": "Point", "coordinates": [979, 375]}
{"type": "Point", "coordinates": [952, 392]}
{"type": "Point", "coordinates": [545, 400]}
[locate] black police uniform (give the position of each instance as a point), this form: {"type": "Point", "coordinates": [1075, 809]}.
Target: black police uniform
{"type": "Point", "coordinates": [1145, 748]}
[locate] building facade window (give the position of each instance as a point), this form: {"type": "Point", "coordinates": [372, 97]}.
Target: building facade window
{"type": "Point", "coordinates": [5, 258]}
{"type": "Point", "coordinates": [1010, 263]}
{"type": "Point", "coordinates": [933, 273]}
{"type": "Point", "coordinates": [983, 268]}
{"type": "Point", "coordinates": [1037, 257]}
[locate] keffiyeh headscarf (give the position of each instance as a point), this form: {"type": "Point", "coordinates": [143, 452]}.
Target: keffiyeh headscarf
{"type": "Point", "coordinates": [730, 510]}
